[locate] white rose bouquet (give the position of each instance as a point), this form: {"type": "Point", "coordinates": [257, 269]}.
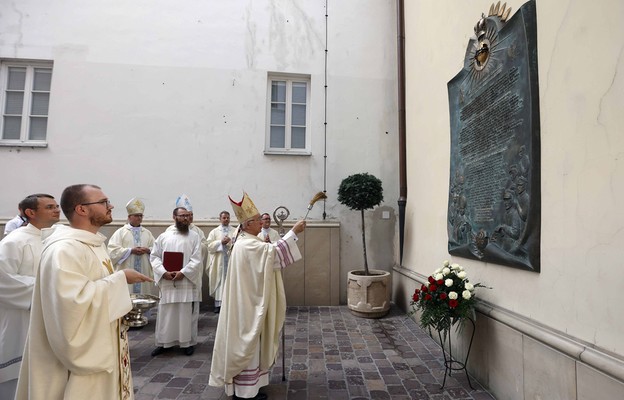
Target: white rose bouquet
{"type": "Point", "coordinates": [446, 298]}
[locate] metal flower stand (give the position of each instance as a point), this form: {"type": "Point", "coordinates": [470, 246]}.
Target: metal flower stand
{"type": "Point", "coordinates": [450, 364]}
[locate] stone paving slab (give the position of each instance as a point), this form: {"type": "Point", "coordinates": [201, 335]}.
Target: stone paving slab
{"type": "Point", "coordinates": [330, 354]}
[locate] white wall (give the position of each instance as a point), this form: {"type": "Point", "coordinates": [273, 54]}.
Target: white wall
{"type": "Point", "coordinates": [154, 98]}
{"type": "Point", "coordinates": [581, 84]}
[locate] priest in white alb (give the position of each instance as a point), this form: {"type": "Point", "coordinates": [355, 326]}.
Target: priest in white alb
{"type": "Point", "coordinates": [254, 306]}
{"type": "Point", "coordinates": [267, 233]}
{"type": "Point", "coordinates": [219, 246]}
{"type": "Point", "coordinates": [180, 283]}
{"type": "Point", "coordinates": [19, 260]}
{"type": "Point", "coordinates": [184, 202]}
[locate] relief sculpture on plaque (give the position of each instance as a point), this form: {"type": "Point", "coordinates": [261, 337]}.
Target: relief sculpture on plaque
{"type": "Point", "coordinates": [494, 206]}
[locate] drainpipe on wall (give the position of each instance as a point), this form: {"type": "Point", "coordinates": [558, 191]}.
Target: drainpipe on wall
{"type": "Point", "coordinates": [402, 147]}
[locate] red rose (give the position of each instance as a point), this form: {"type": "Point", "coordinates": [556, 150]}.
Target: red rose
{"type": "Point", "coordinates": [433, 288]}
{"type": "Point", "coordinates": [453, 303]}
{"type": "Point", "coordinates": [440, 282]}
{"type": "Point", "coordinates": [428, 297]}
{"type": "Point", "coordinates": [431, 280]}
{"type": "Point", "coordinates": [443, 296]}
{"type": "Point", "coordinates": [423, 288]}
{"type": "Point", "coordinates": [415, 296]}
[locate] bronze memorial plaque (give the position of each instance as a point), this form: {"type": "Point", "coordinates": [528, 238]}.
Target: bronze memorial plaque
{"type": "Point", "coordinates": [494, 191]}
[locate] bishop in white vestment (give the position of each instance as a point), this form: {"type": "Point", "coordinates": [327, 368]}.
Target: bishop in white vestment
{"type": "Point", "coordinates": [130, 247]}
{"type": "Point", "coordinates": [253, 308]}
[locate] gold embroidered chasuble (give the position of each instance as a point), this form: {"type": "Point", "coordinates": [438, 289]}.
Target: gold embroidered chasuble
{"type": "Point", "coordinates": [77, 347]}
{"type": "Point", "coordinates": [254, 306]}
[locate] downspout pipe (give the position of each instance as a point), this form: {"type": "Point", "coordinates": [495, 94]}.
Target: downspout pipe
{"type": "Point", "coordinates": [402, 125]}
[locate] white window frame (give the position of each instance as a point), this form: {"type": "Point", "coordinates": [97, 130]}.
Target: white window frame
{"type": "Point", "coordinates": [289, 79]}
{"type": "Point", "coordinates": [30, 66]}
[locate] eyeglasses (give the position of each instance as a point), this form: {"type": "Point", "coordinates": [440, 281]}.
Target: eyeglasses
{"type": "Point", "coordinates": [105, 202]}
{"type": "Point", "coordinates": [184, 216]}
{"type": "Point", "coordinates": [266, 219]}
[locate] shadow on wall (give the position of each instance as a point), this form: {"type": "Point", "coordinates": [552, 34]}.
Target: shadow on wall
{"type": "Point", "coordinates": [380, 238]}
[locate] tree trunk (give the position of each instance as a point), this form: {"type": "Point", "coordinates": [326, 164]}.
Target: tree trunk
{"type": "Point", "coordinates": [364, 245]}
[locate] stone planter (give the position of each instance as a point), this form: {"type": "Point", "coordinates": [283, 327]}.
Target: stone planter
{"type": "Point", "coordinates": [369, 296]}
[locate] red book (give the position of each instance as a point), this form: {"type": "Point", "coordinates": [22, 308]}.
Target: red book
{"type": "Point", "coordinates": [173, 260]}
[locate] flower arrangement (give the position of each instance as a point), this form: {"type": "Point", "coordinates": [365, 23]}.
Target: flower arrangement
{"type": "Point", "coordinates": [446, 298]}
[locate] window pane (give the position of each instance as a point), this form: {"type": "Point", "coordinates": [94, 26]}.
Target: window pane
{"type": "Point", "coordinates": [297, 140]}
{"type": "Point", "coordinates": [14, 103]}
{"type": "Point", "coordinates": [12, 126]}
{"type": "Point", "coordinates": [40, 102]}
{"type": "Point", "coordinates": [298, 114]}
{"type": "Point", "coordinates": [278, 114]}
{"type": "Point", "coordinates": [17, 78]}
{"type": "Point", "coordinates": [38, 128]}
{"type": "Point", "coordinates": [278, 91]}
{"type": "Point", "coordinates": [299, 92]}
{"type": "Point", "coordinates": [43, 77]}
{"type": "Point", "coordinates": [277, 137]}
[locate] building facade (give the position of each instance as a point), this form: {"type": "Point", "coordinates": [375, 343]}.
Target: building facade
{"type": "Point", "coordinates": [554, 334]}
{"type": "Point", "coordinates": [286, 98]}
{"type": "Point", "coordinates": [153, 99]}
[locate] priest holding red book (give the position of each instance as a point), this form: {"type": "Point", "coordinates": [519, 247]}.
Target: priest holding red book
{"type": "Point", "coordinates": [177, 263]}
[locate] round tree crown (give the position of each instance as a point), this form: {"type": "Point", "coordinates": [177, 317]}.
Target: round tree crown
{"type": "Point", "coordinates": [360, 191]}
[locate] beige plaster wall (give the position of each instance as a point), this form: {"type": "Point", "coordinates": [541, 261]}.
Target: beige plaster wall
{"type": "Point", "coordinates": [568, 316]}
{"type": "Point", "coordinates": [581, 83]}
{"type": "Point", "coordinates": [311, 281]}
{"type": "Point", "coordinates": [556, 334]}
{"type": "Point", "coordinates": [202, 104]}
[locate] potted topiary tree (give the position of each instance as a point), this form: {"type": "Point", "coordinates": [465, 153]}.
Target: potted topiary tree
{"type": "Point", "coordinates": [368, 291]}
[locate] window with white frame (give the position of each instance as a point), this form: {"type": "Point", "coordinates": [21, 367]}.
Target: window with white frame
{"type": "Point", "coordinates": [288, 130]}
{"type": "Point", "coordinates": [25, 98]}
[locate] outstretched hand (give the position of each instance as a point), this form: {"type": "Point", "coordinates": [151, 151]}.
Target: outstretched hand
{"type": "Point", "coordinates": [133, 276]}
{"type": "Point", "coordinates": [299, 226]}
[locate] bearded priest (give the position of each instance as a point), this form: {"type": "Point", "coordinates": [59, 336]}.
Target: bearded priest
{"type": "Point", "coordinates": [77, 346]}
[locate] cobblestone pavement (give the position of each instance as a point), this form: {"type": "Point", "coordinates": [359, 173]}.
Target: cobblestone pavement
{"type": "Point", "coordinates": [330, 354]}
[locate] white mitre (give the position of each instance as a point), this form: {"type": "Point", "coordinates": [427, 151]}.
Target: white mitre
{"type": "Point", "coordinates": [184, 202]}
{"type": "Point", "coordinates": [245, 209]}
{"type": "Point", "coordinates": [135, 206]}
